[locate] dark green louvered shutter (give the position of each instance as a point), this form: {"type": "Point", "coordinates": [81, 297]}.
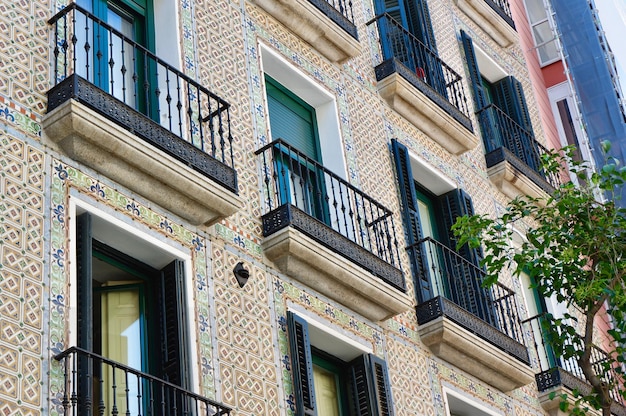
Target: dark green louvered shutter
{"type": "Point", "coordinates": [465, 280]}
{"type": "Point", "coordinates": [419, 22]}
{"type": "Point", "coordinates": [491, 132]}
{"type": "Point", "coordinates": [84, 247]}
{"type": "Point", "coordinates": [369, 385]}
{"type": "Point", "coordinates": [508, 94]}
{"type": "Point", "coordinates": [172, 323]}
{"type": "Point", "coordinates": [480, 97]}
{"type": "Point", "coordinates": [301, 365]}
{"type": "Point", "coordinates": [413, 15]}
{"type": "Point", "coordinates": [410, 215]}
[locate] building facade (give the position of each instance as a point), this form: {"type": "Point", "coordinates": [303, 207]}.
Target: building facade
{"type": "Point", "coordinates": [571, 61]}
{"type": "Point", "coordinates": [245, 207]}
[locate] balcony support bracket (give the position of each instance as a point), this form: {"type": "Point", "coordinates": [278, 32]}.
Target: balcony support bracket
{"type": "Point", "coordinates": [513, 178]}
{"type": "Point", "coordinates": [486, 15]}
{"type": "Point", "coordinates": [88, 137]}
{"type": "Point", "coordinates": [331, 274]}
{"type": "Point", "coordinates": [329, 32]}
{"type": "Point", "coordinates": [450, 128]}
{"type": "Point", "coordinates": [454, 343]}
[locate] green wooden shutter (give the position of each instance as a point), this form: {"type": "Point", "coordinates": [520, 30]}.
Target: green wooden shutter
{"type": "Point", "coordinates": [419, 22]}
{"type": "Point", "coordinates": [508, 94]}
{"type": "Point", "coordinates": [302, 365]}
{"type": "Point", "coordinates": [465, 283]}
{"type": "Point", "coordinates": [85, 323]}
{"type": "Point", "coordinates": [410, 215]}
{"type": "Point", "coordinates": [369, 386]}
{"type": "Point", "coordinates": [173, 324]}
{"type": "Point", "coordinates": [84, 248]}
{"type": "Point", "coordinates": [292, 120]}
{"type": "Point", "coordinates": [480, 97]}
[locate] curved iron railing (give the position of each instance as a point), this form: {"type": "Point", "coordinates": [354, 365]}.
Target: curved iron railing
{"type": "Point", "coordinates": [457, 279]}
{"type": "Point", "coordinates": [86, 46]}
{"type": "Point", "coordinates": [291, 177]}
{"type": "Point", "coordinates": [548, 359]}
{"type": "Point", "coordinates": [400, 44]}
{"type": "Point", "coordinates": [95, 385]}
{"type": "Point", "coordinates": [500, 130]}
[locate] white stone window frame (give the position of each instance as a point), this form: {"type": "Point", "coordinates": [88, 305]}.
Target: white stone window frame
{"type": "Point", "coordinates": [135, 241]}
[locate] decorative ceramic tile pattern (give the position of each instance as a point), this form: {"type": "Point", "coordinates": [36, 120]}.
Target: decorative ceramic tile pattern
{"type": "Point", "coordinates": [245, 337]}
{"type": "Point", "coordinates": [243, 348]}
{"type": "Point", "coordinates": [21, 269]}
{"type": "Point", "coordinates": [24, 53]}
{"type": "Point", "coordinates": [285, 292]}
{"type": "Point", "coordinates": [408, 370]}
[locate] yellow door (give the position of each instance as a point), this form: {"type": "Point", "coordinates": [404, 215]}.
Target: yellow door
{"type": "Point", "coordinates": [121, 342]}
{"type": "Point", "coordinates": [326, 395]}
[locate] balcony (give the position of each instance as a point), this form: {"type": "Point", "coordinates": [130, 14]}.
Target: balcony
{"type": "Point", "coordinates": [422, 88]}
{"type": "Point", "coordinates": [327, 25]}
{"type": "Point", "coordinates": [125, 113]}
{"type": "Point", "coordinates": [327, 234]}
{"type": "Point", "coordinates": [493, 16]}
{"type": "Point", "coordinates": [477, 329]}
{"type": "Point", "coordinates": [513, 156]}
{"type": "Point", "coordinates": [95, 385]}
{"type": "Point", "coordinates": [560, 375]}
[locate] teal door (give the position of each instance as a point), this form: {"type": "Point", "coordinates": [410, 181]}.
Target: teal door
{"type": "Point", "coordinates": [116, 66]}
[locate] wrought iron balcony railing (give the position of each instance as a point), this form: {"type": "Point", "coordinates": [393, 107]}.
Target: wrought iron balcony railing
{"type": "Point", "coordinates": [555, 370]}
{"type": "Point", "coordinates": [501, 131]}
{"type": "Point", "coordinates": [503, 9]}
{"type": "Point", "coordinates": [339, 11]}
{"type": "Point", "coordinates": [401, 46]}
{"type": "Point", "coordinates": [95, 385]}
{"type": "Point", "coordinates": [88, 50]}
{"type": "Point", "coordinates": [291, 179]}
{"type": "Point", "coordinates": [452, 277]}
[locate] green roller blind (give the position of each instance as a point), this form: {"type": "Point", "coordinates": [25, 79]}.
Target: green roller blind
{"type": "Point", "coordinates": [292, 120]}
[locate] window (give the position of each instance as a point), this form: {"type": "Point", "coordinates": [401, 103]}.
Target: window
{"type": "Point", "coordinates": [131, 311]}
{"type": "Point", "coordinates": [116, 66]}
{"type": "Point", "coordinates": [431, 205]}
{"type": "Point", "coordinates": [500, 106]}
{"type": "Point", "coordinates": [113, 62]}
{"type": "Point", "coordinates": [326, 384]}
{"type": "Point", "coordinates": [294, 121]}
{"type": "Point", "coordinates": [543, 35]}
{"type": "Point", "coordinates": [304, 115]}
{"type": "Point", "coordinates": [413, 15]}
{"type": "Point", "coordinates": [407, 35]}
{"type": "Point", "coordinates": [567, 121]}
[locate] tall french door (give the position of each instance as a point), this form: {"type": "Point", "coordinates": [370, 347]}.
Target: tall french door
{"type": "Point", "coordinates": [301, 182]}
{"type": "Point", "coordinates": [113, 63]}
{"type": "Point", "coordinates": [132, 314]}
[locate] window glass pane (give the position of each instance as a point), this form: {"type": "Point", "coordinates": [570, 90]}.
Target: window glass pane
{"type": "Point", "coordinates": [326, 394]}
{"type": "Point", "coordinates": [543, 33]}
{"type": "Point", "coordinates": [536, 11]}
{"type": "Point", "coordinates": [548, 52]}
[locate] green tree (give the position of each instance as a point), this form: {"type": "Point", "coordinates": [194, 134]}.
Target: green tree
{"type": "Point", "coordinates": [575, 249]}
